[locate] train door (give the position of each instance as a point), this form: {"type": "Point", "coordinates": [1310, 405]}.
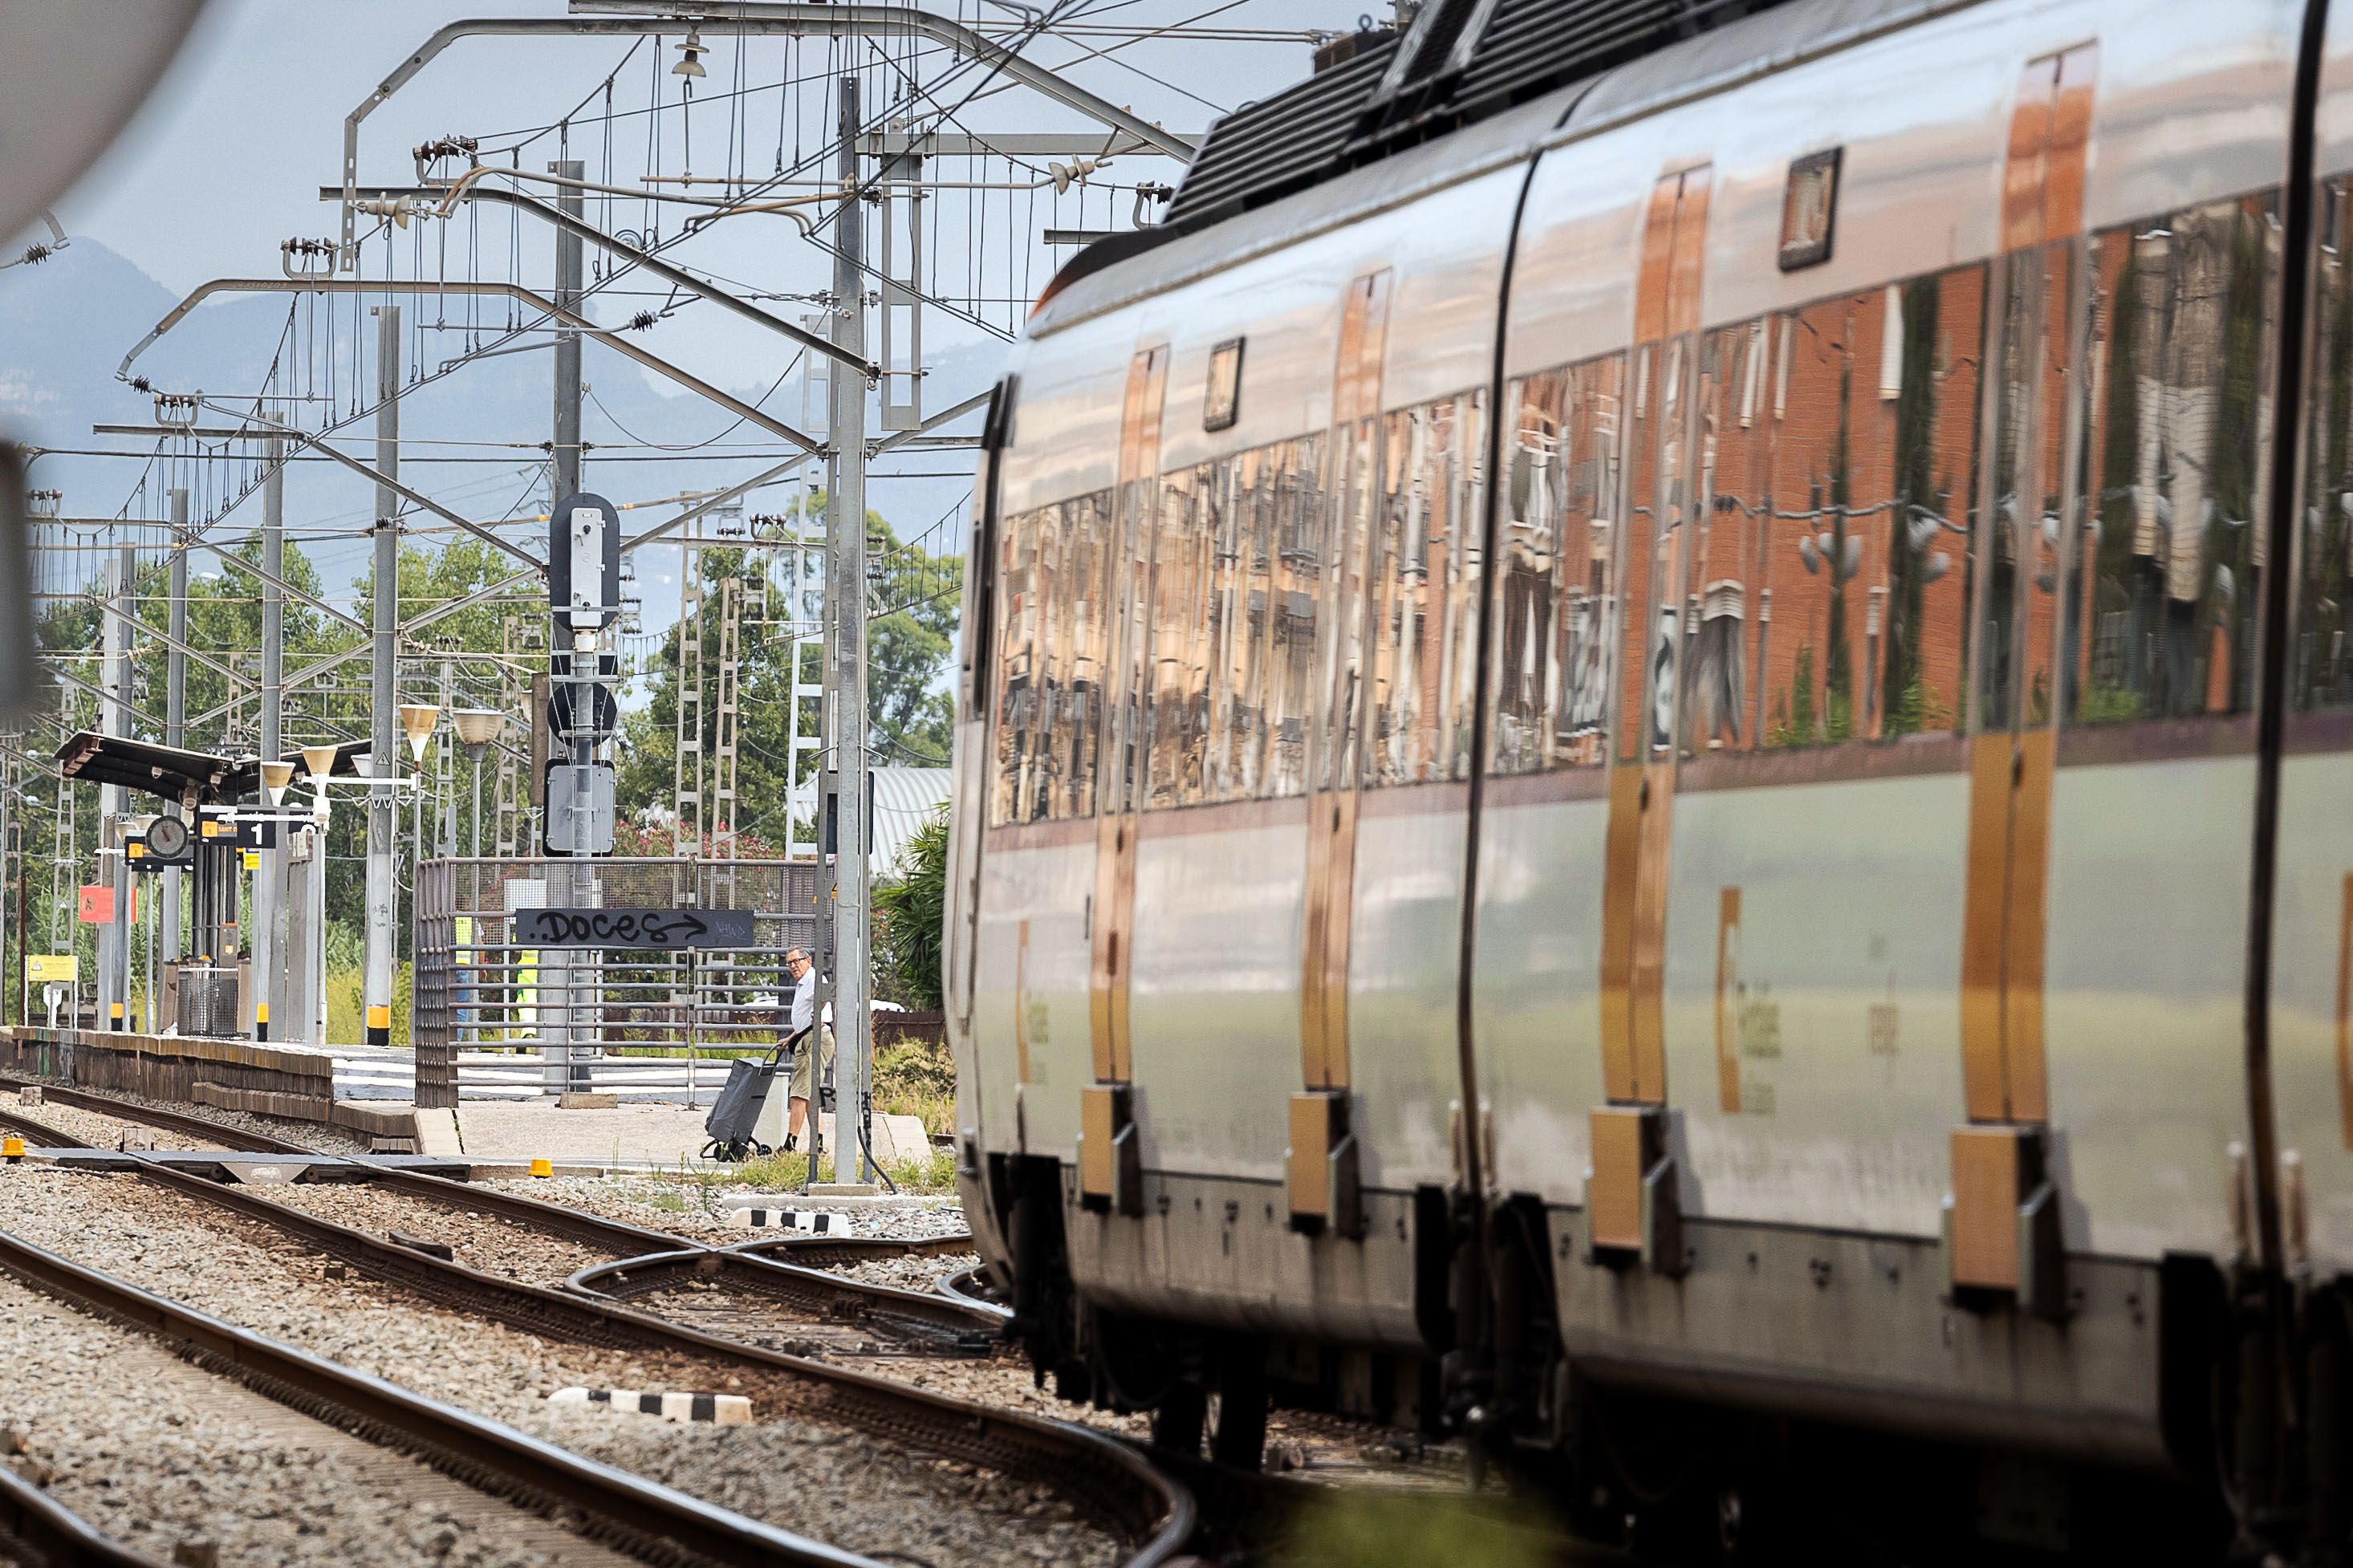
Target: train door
{"type": "Point", "coordinates": [2030, 473]}
{"type": "Point", "coordinates": [1320, 1166]}
{"type": "Point", "coordinates": [1630, 1195]}
{"type": "Point", "coordinates": [1109, 1159]}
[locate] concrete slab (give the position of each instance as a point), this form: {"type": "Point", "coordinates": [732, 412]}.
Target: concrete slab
{"type": "Point", "coordinates": [630, 1135]}
{"type": "Point", "coordinates": [437, 1132]}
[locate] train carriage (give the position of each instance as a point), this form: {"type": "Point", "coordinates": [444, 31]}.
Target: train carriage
{"type": "Point", "coordinates": [1655, 719]}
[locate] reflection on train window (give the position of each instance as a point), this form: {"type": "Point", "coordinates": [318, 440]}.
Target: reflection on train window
{"type": "Point", "coordinates": [1228, 649]}
{"type": "Point", "coordinates": [1243, 493]}
{"type": "Point", "coordinates": [1289, 502]}
{"type": "Point", "coordinates": [1050, 630]}
{"type": "Point", "coordinates": [1825, 585]}
{"type": "Point", "coordinates": [2022, 547]}
{"type": "Point", "coordinates": [1556, 603]}
{"type": "Point", "coordinates": [2182, 311]}
{"type": "Point", "coordinates": [1425, 592]}
{"type": "Point", "coordinates": [1177, 682]}
{"type": "Point", "coordinates": [1082, 622]}
{"type": "Point", "coordinates": [2322, 662]}
{"type": "Point", "coordinates": [1015, 598]}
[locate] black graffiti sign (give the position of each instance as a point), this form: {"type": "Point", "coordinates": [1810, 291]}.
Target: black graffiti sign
{"type": "Point", "coordinates": [633, 928]}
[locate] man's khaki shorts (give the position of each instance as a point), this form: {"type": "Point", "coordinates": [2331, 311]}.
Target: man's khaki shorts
{"type": "Point", "coordinates": [805, 1065]}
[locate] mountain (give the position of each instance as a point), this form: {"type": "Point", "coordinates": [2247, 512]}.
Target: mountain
{"type": "Point", "coordinates": [67, 323]}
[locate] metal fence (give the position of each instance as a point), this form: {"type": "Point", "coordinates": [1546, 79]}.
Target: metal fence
{"type": "Point", "coordinates": [478, 988]}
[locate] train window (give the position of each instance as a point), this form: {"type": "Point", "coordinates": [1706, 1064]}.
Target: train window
{"type": "Point", "coordinates": [1236, 662]}
{"type": "Point", "coordinates": [1259, 489]}
{"type": "Point", "coordinates": [1222, 404]}
{"type": "Point", "coordinates": [1084, 624]}
{"type": "Point", "coordinates": [2323, 665]}
{"type": "Point", "coordinates": [1833, 565]}
{"type": "Point", "coordinates": [2023, 547]}
{"type": "Point", "coordinates": [1049, 654]}
{"type": "Point", "coordinates": [1015, 696]}
{"type": "Point", "coordinates": [1558, 559]}
{"type": "Point", "coordinates": [1424, 633]}
{"type": "Point", "coordinates": [1810, 209]}
{"type": "Point", "coordinates": [1735, 449]}
{"type": "Point", "coordinates": [2173, 550]}
{"type": "Point", "coordinates": [1293, 492]}
{"type": "Point", "coordinates": [1178, 666]}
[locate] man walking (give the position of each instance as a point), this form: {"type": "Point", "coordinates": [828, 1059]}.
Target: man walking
{"type": "Point", "coordinates": [812, 1042]}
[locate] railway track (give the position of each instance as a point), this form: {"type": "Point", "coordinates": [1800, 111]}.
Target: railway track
{"type": "Point", "coordinates": [345, 1452]}
{"type": "Point", "coordinates": [824, 1296]}
{"type": "Point", "coordinates": [1114, 1491]}
{"type": "Point", "coordinates": [201, 1127]}
{"type": "Point", "coordinates": [790, 1307]}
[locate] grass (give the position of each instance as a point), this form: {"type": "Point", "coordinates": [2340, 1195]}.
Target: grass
{"type": "Point", "coordinates": [1353, 1531]}
{"type": "Point", "coordinates": [700, 1186]}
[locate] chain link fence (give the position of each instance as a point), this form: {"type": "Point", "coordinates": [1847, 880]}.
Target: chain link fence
{"type": "Point", "coordinates": [477, 987]}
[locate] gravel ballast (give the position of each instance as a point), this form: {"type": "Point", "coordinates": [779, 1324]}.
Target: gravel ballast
{"type": "Point", "coordinates": [101, 1131]}
{"type": "Point", "coordinates": [159, 1454]}
{"type": "Point", "coordinates": [514, 1249]}
{"type": "Point", "coordinates": [856, 1491]}
{"type": "Point", "coordinates": [684, 1206]}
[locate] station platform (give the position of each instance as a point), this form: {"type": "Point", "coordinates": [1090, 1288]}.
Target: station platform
{"type": "Point", "coordinates": [303, 1083]}
{"type": "Point", "coordinates": [630, 1136]}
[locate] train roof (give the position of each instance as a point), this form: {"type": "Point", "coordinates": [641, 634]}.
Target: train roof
{"type": "Point", "coordinates": [1469, 80]}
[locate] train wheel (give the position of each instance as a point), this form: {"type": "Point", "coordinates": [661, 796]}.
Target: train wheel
{"type": "Point", "coordinates": [1181, 1418]}
{"type": "Point", "coordinates": [1240, 1438]}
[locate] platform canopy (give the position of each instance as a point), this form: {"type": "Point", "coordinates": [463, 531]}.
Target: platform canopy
{"type": "Point", "coordinates": [150, 769]}
{"type": "Point", "coordinates": [171, 773]}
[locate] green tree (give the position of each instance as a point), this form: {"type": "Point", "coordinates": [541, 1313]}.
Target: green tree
{"type": "Point", "coordinates": [910, 915]}
{"type": "Point", "coordinates": [913, 600]}
{"type": "Point", "coordinates": [910, 635]}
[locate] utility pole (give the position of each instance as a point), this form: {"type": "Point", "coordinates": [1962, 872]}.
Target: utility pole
{"type": "Point", "coordinates": [574, 1028]}
{"type": "Point", "coordinates": [845, 703]}
{"type": "Point", "coordinates": [113, 719]}
{"type": "Point", "coordinates": [445, 791]}
{"type": "Point", "coordinates": [170, 931]}
{"type": "Point", "coordinates": [383, 732]}
{"type": "Point", "coordinates": [269, 887]}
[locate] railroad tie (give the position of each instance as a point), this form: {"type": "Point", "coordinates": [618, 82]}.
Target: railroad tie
{"type": "Point", "coordinates": [725, 1409]}
{"type": "Point", "coordinates": [823, 1224]}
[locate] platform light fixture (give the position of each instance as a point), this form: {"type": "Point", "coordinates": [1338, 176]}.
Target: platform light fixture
{"type": "Point", "coordinates": [275, 777]}
{"type": "Point", "coordinates": [477, 728]}
{"type": "Point", "coordinates": [418, 720]}
{"type": "Point", "coordinates": [320, 761]}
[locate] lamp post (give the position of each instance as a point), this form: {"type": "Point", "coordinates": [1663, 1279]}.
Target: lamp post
{"type": "Point", "coordinates": [319, 761]}
{"type": "Point", "coordinates": [417, 721]}
{"type": "Point", "coordinates": [477, 728]}
{"type": "Point", "coordinates": [268, 901]}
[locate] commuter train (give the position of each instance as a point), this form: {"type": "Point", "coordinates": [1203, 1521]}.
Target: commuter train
{"type": "Point", "coordinates": [1655, 762]}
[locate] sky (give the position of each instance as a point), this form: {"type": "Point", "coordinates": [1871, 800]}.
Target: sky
{"type": "Point", "coordinates": [227, 159]}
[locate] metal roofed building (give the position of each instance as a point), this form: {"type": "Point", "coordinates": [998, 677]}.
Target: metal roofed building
{"type": "Point", "coordinates": [904, 798]}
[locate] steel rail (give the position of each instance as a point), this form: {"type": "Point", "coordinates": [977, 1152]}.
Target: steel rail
{"type": "Point", "coordinates": [829, 1251]}
{"type": "Point", "coordinates": [45, 1136]}
{"type": "Point", "coordinates": [971, 1285]}
{"type": "Point", "coordinates": [832, 1297]}
{"type": "Point", "coordinates": [36, 1528]}
{"type": "Point", "coordinates": [643, 1517]}
{"type": "Point", "coordinates": [238, 1139]}
{"type": "Point", "coordinates": [622, 1239]}
{"type": "Point", "coordinates": [1112, 1484]}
